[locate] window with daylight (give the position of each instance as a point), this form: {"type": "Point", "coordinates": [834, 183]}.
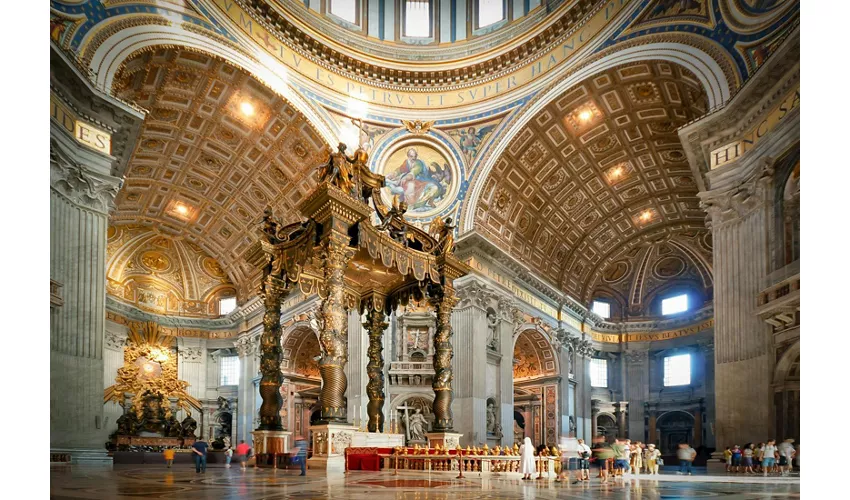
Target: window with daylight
{"type": "Point", "coordinates": [345, 9]}
{"type": "Point", "coordinates": [602, 309]}
{"type": "Point", "coordinates": [417, 18]}
{"type": "Point", "coordinates": [673, 305]}
{"type": "Point", "coordinates": [677, 370]}
{"type": "Point", "coordinates": [490, 12]}
{"type": "Point", "coordinates": [598, 372]}
{"type": "Point", "coordinates": [229, 370]}
{"type": "Point", "coordinates": [226, 305]}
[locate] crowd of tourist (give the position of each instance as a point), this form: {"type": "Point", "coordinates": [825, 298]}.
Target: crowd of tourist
{"type": "Point", "coordinates": [765, 458]}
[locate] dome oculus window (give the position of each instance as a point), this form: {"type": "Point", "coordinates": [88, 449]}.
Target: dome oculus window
{"type": "Point", "coordinates": [226, 305]}
{"type": "Point", "coordinates": [675, 304]}
{"type": "Point", "coordinates": [347, 10]}
{"type": "Point", "coordinates": [417, 18]}
{"type": "Point", "coordinates": [601, 309]}
{"type": "Point", "coordinates": [677, 370]}
{"type": "Point", "coordinates": [598, 372]}
{"type": "Point", "coordinates": [490, 12]}
{"type": "Point", "coordinates": [229, 370]}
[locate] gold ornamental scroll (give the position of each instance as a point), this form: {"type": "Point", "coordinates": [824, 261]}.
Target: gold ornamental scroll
{"type": "Point", "coordinates": [508, 83]}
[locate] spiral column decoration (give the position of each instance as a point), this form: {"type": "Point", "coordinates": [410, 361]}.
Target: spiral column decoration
{"type": "Point", "coordinates": [335, 255]}
{"type": "Point", "coordinates": [274, 291]}
{"type": "Point", "coordinates": [443, 302]}
{"type": "Point", "coordinates": [375, 325]}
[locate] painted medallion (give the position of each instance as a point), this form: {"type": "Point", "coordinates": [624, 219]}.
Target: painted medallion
{"type": "Point", "coordinates": [421, 176]}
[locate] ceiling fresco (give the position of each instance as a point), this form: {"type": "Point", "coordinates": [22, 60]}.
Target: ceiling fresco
{"type": "Point", "coordinates": [162, 274]}
{"type": "Point", "coordinates": [204, 170]}
{"type": "Point", "coordinates": [598, 169]}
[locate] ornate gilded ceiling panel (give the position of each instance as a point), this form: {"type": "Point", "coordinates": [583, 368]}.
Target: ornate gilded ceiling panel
{"type": "Point", "coordinates": [533, 356]}
{"type": "Point", "coordinates": [596, 171]}
{"type": "Point", "coordinates": [217, 147]}
{"type": "Point", "coordinates": [163, 274]}
{"type": "Point", "coordinates": [300, 349]}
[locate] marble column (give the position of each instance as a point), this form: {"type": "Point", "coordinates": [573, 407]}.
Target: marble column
{"type": "Point", "coordinates": [85, 176]}
{"type": "Point", "coordinates": [653, 426]}
{"type": "Point", "coordinates": [80, 199]}
{"type": "Point", "coordinates": [636, 389]}
{"type": "Point", "coordinates": [505, 329]}
{"type": "Point", "coordinates": [586, 419]}
{"type": "Point", "coordinates": [246, 347]}
{"type": "Point", "coordinates": [621, 410]}
{"type": "Point", "coordinates": [469, 385]}
{"type": "Point", "coordinates": [739, 229]}
{"type": "Point", "coordinates": [594, 414]}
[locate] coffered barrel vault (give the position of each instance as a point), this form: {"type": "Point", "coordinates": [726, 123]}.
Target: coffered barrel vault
{"type": "Point", "coordinates": [596, 173]}
{"type": "Point", "coordinates": [203, 169]}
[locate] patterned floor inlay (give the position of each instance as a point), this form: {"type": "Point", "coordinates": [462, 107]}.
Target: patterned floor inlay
{"type": "Point", "coordinates": [75, 482]}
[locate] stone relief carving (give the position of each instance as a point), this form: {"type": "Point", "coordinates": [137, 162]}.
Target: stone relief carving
{"type": "Point", "coordinates": [474, 294]}
{"type": "Point", "coordinates": [114, 341]}
{"type": "Point", "coordinates": [635, 356]}
{"type": "Point", "coordinates": [81, 186]}
{"type": "Point", "coordinates": [191, 353]}
{"type": "Point", "coordinates": [341, 441]}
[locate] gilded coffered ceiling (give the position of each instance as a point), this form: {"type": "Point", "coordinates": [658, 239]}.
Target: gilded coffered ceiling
{"type": "Point", "coordinates": [596, 176]}
{"type": "Point", "coordinates": [163, 274]}
{"type": "Point", "coordinates": [300, 349]}
{"type": "Point", "coordinates": [216, 148]}
{"type": "Point", "coordinates": [533, 356]}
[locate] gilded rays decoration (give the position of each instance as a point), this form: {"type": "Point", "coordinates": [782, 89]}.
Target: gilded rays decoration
{"type": "Point", "coordinates": [150, 372]}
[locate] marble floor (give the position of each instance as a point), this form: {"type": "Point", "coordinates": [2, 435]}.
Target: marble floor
{"type": "Point", "coordinates": [78, 481]}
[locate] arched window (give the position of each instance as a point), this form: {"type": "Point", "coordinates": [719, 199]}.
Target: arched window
{"type": "Point", "coordinates": [347, 10]}
{"type": "Point", "coordinates": [490, 12]}
{"type": "Point", "coordinates": [602, 309]}
{"type": "Point", "coordinates": [226, 305]}
{"type": "Point", "coordinates": [417, 18]}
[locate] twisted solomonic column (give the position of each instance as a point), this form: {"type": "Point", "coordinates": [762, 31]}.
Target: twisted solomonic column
{"type": "Point", "coordinates": [274, 290]}
{"type": "Point", "coordinates": [375, 325]}
{"type": "Point", "coordinates": [334, 255]}
{"type": "Point", "coordinates": [443, 302]}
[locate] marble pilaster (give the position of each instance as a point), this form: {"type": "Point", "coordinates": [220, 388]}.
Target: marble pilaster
{"type": "Point", "coordinates": [469, 364]}
{"type": "Point", "coordinates": [83, 184]}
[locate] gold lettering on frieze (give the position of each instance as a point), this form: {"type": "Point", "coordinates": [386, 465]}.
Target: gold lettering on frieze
{"type": "Point", "coordinates": [520, 292]}
{"type": "Point", "coordinates": [538, 68]}
{"type": "Point", "coordinates": [652, 336]}
{"type": "Point", "coordinates": [736, 149]}
{"type": "Point", "coordinates": [84, 133]}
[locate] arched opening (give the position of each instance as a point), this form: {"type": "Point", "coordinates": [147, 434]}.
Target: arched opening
{"type": "Point", "coordinates": [413, 416]}
{"type": "Point", "coordinates": [536, 386]}
{"type": "Point", "coordinates": [606, 426]}
{"type": "Point", "coordinates": [302, 380]}
{"type": "Point", "coordinates": [786, 396]}
{"type": "Point", "coordinates": [674, 427]}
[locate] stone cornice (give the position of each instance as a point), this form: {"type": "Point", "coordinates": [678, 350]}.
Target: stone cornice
{"type": "Point", "coordinates": [752, 100]}
{"type": "Point", "coordinates": [287, 29]}
{"type": "Point", "coordinates": [97, 107]}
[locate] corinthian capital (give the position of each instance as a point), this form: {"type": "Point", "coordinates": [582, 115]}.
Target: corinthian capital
{"type": "Point", "coordinates": [474, 294]}
{"type": "Point", "coordinates": [81, 186]}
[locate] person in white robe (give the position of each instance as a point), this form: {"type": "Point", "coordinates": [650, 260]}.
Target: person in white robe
{"type": "Point", "coordinates": [526, 459]}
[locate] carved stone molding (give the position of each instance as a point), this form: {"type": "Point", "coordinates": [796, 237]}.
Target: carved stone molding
{"type": "Point", "coordinates": [114, 341]}
{"type": "Point", "coordinates": [474, 293]}
{"type": "Point", "coordinates": [56, 294]}
{"type": "Point", "coordinates": [635, 357]}
{"type": "Point", "coordinates": [247, 345]}
{"type": "Point", "coordinates": [730, 205]}
{"type": "Point", "coordinates": [191, 353]}
{"type": "Point", "coordinates": [79, 185]}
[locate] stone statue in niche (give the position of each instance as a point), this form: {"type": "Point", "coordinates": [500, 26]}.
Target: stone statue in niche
{"type": "Point", "coordinates": [492, 335]}
{"type": "Point", "coordinates": [416, 425]}
{"type": "Point", "coordinates": [494, 428]}
{"type": "Point", "coordinates": [572, 426]}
